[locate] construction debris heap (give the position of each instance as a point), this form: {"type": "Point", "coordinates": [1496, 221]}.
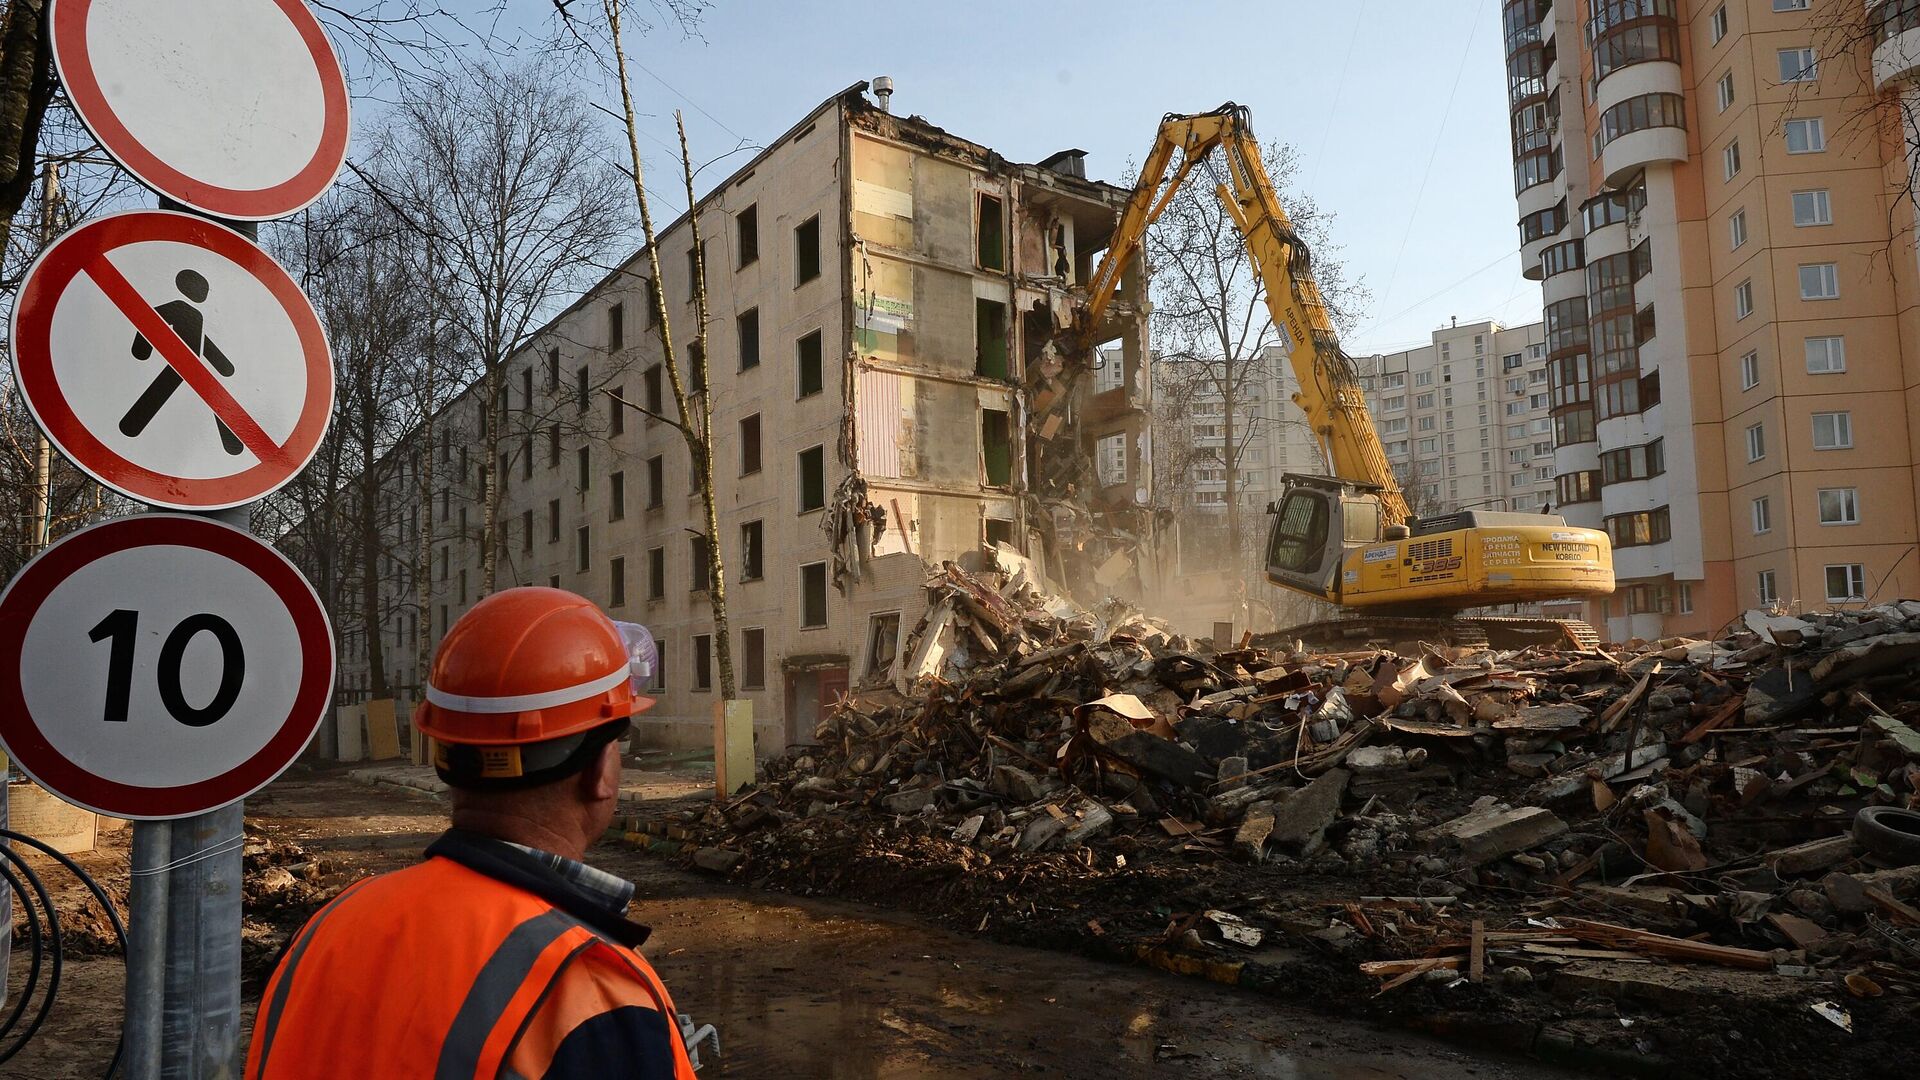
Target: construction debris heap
{"type": "Point", "coordinates": [1613, 839]}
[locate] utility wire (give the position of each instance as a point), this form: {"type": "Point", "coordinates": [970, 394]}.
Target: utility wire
{"type": "Point", "coordinates": [696, 105]}
{"type": "Point", "coordinates": [1339, 89]}
{"type": "Point", "coordinates": [1413, 214]}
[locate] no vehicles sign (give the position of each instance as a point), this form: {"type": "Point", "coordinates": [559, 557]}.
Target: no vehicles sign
{"type": "Point", "coordinates": [172, 360]}
{"type": "Point", "coordinates": [237, 108]}
{"type": "Point", "coordinates": [160, 665]}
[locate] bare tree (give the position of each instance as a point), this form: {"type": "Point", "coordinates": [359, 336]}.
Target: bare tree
{"type": "Point", "coordinates": [495, 167]}
{"type": "Point", "coordinates": [1210, 321]}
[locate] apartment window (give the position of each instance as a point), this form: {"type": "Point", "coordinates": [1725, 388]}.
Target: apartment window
{"type": "Point", "coordinates": [883, 643]}
{"type": "Point", "coordinates": [747, 325]}
{"type": "Point", "coordinates": [1737, 228]}
{"type": "Point", "coordinates": [1808, 136]}
{"type": "Point", "coordinates": [1839, 506]}
{"type": "Point", "coordinates": [1641, 528]}
{"type": "Point", "coordinates": [463, 586]}
{"type": "Point", "coordinates": [617, 496]}
{"type": "Point", "coordinates": [990, 249]}
{"type": "Point", "coordinates": [616, 327]}
{"type": "Point", "coordinates": [617, 582]}
{"type": "Point", "coordinates": [1819, 281]}
{"type": "Point", "coordinates": [752, 545]}
{"type": "Point", "coordinates": [1790, 5]}
{"type": "Point", "coordinates": [1686, 599]}
{"type": "Point", "coordinates": [553, 521]}
{"type": "Point", "coordinates": [813, 479]}
{"type": "Point", "coordinates": [1832, 430]}
{"type": "Point", "coordinates": [651, 392]}
{"type": "Point", "coordinates": [582, 552]}
{"type": "Point", "coordinates": [553, 446]}
{"type": "Point", "coordinates": [703, 662]}
{"type": "Point", "coordinates": [526, 389]}
{"type": "Point", "coordinates": [1423, 401]}
{"type": "Point", "coordinates": [1743, 299]}
{"type": "Point", "coordinates": [1426, 423]}
{"type": "Point", "coordinates": [1826, 355]}
{"type": "Point", "coordinates": [1750, 371]}
{"type": "Point", "coordinates": [1812, 208]}
{"type": "Point", "coordinates": [813, 595]}
{"type": "Point", "coordinates": [746, 235]}
{"type": "Point", "coordinates": [996, 447]}
{"type": "Point", "coordinates": [806, 251]}
{"type": "Point", "coordinates": [553, 369]}
{"type": "Point", "coordinates": [526, 530]}
{"type": "Point", "coordinates": [1847, 581]}
{"type": "Point", "coordinates": [1762, 515]}
{"type": "Point", "coordinates": [583, 466]}
{"type": "Point", "coordinates": [1798, 65]}
{"type": "Point", "coordinates": [659, 664]}
{"type": "Point", "coordinates": [617, 412]}
{"type": "Point", "coordinates": [753, 658]}
{"type": "Point", "coordinates": [1730, 160]}
{"type": "Point", "coordinates": [1423, 378]}
{"type": "Point", "coordinates": [1726, 91]}
{"type": "Point", "coordinates": [656, 482]}
{"type": "Point", "coordinates": [700, 570]}
{"type": "Point", "coordinates": [582, 394]}
{"type": "Point", "coordinates": [1756, 442]}
{"type": "Point", "coordinates": [526, 459]}
{"type": "Point", "coordinates": [1717, 25]}
{"type": "Point", "coordinates": [807, 356]}
{"type": "Point", "coordinates": [1764, 588]}
{"type": "Point", "coordinates": [989, 338]}
{"type": "Point", "coordinates": [656, 573]}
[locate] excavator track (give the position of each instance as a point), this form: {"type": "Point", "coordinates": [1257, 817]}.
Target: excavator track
{"type": "Point", "coordinates": [1405, 634]}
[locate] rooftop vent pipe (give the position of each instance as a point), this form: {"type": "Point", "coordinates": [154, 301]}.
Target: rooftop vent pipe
{"type": "Point", "coordinates": [883, 89]}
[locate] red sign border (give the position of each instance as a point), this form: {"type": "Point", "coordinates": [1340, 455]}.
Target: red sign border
{"type": "Point", "coordinates": [67, 23]}
{"type": "Point", "coordinates": [22, 737]}
{"type": "Point", "coordinates": [46, 282]}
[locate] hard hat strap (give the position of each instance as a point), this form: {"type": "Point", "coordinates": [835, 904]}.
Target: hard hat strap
{"type": "Point", "coordinates": [484, 768]}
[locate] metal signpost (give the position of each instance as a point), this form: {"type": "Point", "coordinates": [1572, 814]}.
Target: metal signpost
{"type": "Point", "coordinates": [164, 666]}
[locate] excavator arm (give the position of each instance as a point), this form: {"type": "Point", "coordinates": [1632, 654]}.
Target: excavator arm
{"type": "Point", "coordinates": [1330, 395]}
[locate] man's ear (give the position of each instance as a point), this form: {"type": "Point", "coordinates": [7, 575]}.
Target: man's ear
{"type": "Point", "coordinates": [604, 777]}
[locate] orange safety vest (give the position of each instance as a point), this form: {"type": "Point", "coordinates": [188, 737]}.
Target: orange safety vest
{"type": "Point", "coordinates": [443, 971]}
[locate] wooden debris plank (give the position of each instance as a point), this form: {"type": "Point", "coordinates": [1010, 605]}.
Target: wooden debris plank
{"type": "Point", "coordinates": [1477, 953]}
{"type": "Point", "coordinates": [1611, 718]}
{"type": "Point", "coordinates": [1886, 902]}
{"type": "Point", "coordinates": [1672, 948]}
{"type": "Point", "coordinates": [1415, 966]}
{"type": "Point", "coordinates": [1726, 713]}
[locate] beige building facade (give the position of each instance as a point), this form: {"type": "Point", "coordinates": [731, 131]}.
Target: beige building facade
{"type": "Point", "coordinates": [892, 389]}
{"type": "Point", "coordinates": [1713, 197]}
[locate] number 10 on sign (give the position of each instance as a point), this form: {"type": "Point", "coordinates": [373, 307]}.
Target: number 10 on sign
{"type": "Point", "coordinates": [125, 685]}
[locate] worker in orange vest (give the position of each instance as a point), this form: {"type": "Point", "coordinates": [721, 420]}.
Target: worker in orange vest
{"type": "Point", "coordinates": [502, 954]}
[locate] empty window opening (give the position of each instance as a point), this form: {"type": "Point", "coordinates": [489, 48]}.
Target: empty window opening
{"type": "Point", "coordinates": [746, 225]}
{"type": "Point", "coordinates": [990, 338]}
{"type": "Point", "coordinates": [753, 659]}
{"type": "Point", "coordinates": [703, 661]}
{"type": "Point", "coordinates": [813, 595]}
{"type": "Point", "coordinates": [883, 643]}
{"type": "Point", "coordinates": [807, 356]}
{"type": "Point", "coordinates": [748, 325]}
{"type": "Point", "coordinates": [991, 248]}
{"type": "Point", "coordinates": [1000, 531]}
{"type": "Point", "coordinates": [996, 446]}
{"type": "Point", "coordinates": [806, 251]}
{"type": "Point", "coordinates": [751, 546]}
{"type": "Point", "coordinates": [750, 445]}
{"type": "Point", "coordinates": [813, 479]}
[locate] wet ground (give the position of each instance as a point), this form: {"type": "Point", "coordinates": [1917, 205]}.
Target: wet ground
{"type": "Point", "coordinates": [814, 989]}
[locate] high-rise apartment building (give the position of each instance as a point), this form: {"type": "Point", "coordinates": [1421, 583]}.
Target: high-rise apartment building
{"type": "Point", "coordinates": [889, 392]}
{"type": "Point", "coordinates": [1464, 419]}
{"type": "Point", "coordinates": [1711, 193]}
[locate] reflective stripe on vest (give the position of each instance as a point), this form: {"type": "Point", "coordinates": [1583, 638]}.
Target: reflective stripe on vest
{"type": "Point", "coordinates": [506, 972]}
{"type": "Point", "coordinates": [283, 978]}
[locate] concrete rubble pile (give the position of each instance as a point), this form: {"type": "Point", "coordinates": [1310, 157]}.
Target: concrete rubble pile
{"type": "Point", "coordinates": [1503, 821]}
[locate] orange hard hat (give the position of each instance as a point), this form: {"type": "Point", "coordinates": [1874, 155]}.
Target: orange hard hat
{"type": "Point", "coordinates": [524, 667]}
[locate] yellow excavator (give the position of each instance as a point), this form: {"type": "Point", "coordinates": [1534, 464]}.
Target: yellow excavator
{"type": "Point", "coordinates": [1349, 538]}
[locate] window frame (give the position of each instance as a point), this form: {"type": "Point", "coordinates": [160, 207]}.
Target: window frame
{"type": "Point", "coordinates": [1828, 277]}
{"type": "Point", "coordinates": [801, 579]}
{"type": "Point", "coordinates": [1856, 574]}
{"type": "Point", "coordinates": [1743, 300]}
{"type": "Point", "coordinates": [1749, 370]}
{"type": "Point", "coordinates": [1737, 229]}
{"type": "Point", "coordinates": [1822, 202]}
{"type": "Point", "coordinates": [1849, 506]}
{"type": "Point", "coordinates": [1842, 429]}
{"type": "Point", "coordinates": [1761, 514]}
{"type": "Point", "coordinates": [1815, 126]}
{"type": "Point", "coordinates": [1756, 442]}
{"type": "Point", "coordinates": [1834, 347]}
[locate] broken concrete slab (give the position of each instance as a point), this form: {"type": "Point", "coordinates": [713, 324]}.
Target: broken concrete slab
{"type": "Point", "coordinates": [1017, 784]}
{"type": "Point", "coordinates": [908, 802]}
{"type": "Point", "coordinates": [718, 860]}
{"type": "Point", "coordinates": [1163, 758]}
{"type": "Point", "coordinates": [1808, 857]}
{"type": "Point", "coordinates": [1095, 821]}
{"type": "Point", "coordinates": [1041, 831]}
{"type": "Point", "coordinates": [1300, 823]}
{"type": "Point", "coordinates": [1251, 838]}
{"type": "Point", "coordinates": [1485, 835]}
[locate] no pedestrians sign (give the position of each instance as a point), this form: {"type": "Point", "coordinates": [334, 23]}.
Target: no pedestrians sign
{"type": "Point", "coordinates": [172, 360]}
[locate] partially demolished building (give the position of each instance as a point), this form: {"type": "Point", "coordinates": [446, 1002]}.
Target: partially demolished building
{"type": "Point", "coordinates": [893, 387]}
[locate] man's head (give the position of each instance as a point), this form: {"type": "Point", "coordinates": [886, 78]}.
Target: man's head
{"type": "Point", "coordinates": [572, 811]}
{"type": "Point", "coordinates": [529, 694]}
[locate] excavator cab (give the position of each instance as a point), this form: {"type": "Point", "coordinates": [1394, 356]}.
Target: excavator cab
{"type": "Point", "coordinates": [1315, 521]}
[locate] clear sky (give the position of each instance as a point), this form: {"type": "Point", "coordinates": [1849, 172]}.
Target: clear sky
{"type": "Point", "coordinates": [1397, 108]}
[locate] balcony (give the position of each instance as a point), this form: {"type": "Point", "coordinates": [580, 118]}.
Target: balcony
{"type": "Point", "coordinates": [1645, 129]}
{"type": "Point", "coordinates": [1896, 37]}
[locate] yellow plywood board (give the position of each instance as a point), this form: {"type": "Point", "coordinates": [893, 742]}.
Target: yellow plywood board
{"type": "Point", "coordinates": [383, 730]}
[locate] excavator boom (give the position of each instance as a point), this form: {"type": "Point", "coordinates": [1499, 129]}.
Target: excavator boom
{"type": "Point", "coordinates": [1349, 538]}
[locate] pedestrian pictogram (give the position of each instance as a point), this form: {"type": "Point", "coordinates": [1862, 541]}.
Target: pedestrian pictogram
{"type": "Point", "coordinates": [237, 108]}
{"type": "Point", "coordinates": [173, 360]}
{"type": "Point", "coordinates": [160, 665]}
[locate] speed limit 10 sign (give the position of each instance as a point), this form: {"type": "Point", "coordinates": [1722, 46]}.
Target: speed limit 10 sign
{"type": "Point", "coordinates": [160, 665]}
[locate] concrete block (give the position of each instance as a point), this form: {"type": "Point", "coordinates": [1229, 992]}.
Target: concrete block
{"type": "Point", "coordinates": [34, 811]}
{"type": "Point", "coordinates": [346, 731]}
{"type": "Point", "coordinates": [1041, 831]}
{"type": "Point", "coordinates": [1486, 835]}
{"type": "Point", "coordinates": [1300, 823]}
{"type": "Point", "coordinates": [718, 860]}
{"type": "Point", "coordinates": [1094, 822]}
{"type": "Point", "coordinates": [908, 802]}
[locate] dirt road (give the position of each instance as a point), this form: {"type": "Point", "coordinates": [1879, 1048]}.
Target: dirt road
{"type": "Point", "coordinates": [810, 989]}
